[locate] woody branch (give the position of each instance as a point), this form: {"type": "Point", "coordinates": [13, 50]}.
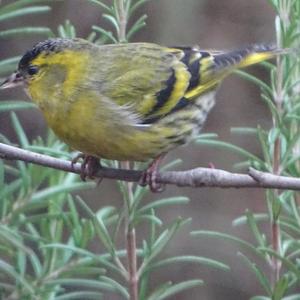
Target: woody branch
{"type": "Point", "coordinates": [199, 177]}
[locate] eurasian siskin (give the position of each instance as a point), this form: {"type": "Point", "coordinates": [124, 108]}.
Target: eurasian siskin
{"type": "Point", "coordinates": [127, 101]}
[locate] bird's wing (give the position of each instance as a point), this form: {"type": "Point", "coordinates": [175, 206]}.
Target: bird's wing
{"type": "Point", "coordinates": [154, 81]}
{"type": "Point", "coordinates": [146, 78]}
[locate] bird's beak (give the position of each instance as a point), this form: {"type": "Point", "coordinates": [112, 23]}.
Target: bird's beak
{"type": "Point", "coordinates": [15, 79]}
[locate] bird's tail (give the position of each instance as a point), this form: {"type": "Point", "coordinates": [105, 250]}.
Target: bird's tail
{"type": "Point", "coordinates": [248, 56]}
{"type": "Point", "coordinates": [214, 66]}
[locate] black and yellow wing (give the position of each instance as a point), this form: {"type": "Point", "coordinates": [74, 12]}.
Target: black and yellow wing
{"type": "Point", "coordinates": [154, 81]}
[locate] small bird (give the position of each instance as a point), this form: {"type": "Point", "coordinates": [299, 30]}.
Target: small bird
{"type": "Point", "coordinates": [127, 102]}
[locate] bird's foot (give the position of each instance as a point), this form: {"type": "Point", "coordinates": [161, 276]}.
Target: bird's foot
{"type": "Point", "coordinates": [149, 176]}
{"type": "Point", "coordinates": [89, 166]}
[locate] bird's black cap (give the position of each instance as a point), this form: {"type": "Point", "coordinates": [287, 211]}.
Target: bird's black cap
{"type": "Point", "coordinates": [45, 47]}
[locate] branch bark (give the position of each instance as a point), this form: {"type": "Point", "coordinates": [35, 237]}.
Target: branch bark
{"type": "Point", "coordinates": [199, 177]}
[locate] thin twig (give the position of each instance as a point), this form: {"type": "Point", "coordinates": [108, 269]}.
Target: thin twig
{"type": "Point", "coordinates": [132, 263]}
{"type": "Point", "coordinates": [199, 177]}
{"type": "Point", "coordinates": [130, 238]}
{"type": "Point", "coordinates": [130, 235]}
{"type": "Point", "coordinates": [275, 228]}
{"type": "Point", "coordinates": [122, 20]}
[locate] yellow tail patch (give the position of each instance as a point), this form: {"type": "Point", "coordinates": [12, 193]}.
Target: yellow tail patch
{"type": "Point", "coordinates": [255, 58]}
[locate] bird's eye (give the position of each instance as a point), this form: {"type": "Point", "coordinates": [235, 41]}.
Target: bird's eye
{"type": "Point", "coordinates": [32, 70]}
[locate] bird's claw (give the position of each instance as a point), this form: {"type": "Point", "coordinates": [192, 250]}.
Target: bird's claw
{"type": "Point", "coordinates": [149, 176]}
{"type": "Point", "coordinates": [89, 166]}
{"type": "Point", "coordinates": [77, 158]}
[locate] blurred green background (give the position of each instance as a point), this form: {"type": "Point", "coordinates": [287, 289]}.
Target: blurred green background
{"type": "Point", "coordinates": [210, 24]}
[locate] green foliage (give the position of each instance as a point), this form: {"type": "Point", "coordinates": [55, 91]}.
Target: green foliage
{"type": "Point", "coordinates": [280, 154]}
{"type": "Point", "coordinates": [118, 15]}
{"type": "Point", "coordinates": [15, 10]}
{"type": "Point", "coordinates": [46, 231]}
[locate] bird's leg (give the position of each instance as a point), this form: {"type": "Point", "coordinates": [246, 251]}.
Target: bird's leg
{"type": "Point", "coordinates": [89, 166]}
{"type": "Point", "coordinates": [150, 174]}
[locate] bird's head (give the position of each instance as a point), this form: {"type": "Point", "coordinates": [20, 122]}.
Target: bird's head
{"type": "Point", "coordinates": [52, 59]}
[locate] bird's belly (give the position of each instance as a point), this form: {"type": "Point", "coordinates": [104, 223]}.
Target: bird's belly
{"type": "Point", "coordinates": [107, 137]}
{"type": "Point", "coordinates": [99, 130]}
{"type": "Point", "coordinates": [129, 145]}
